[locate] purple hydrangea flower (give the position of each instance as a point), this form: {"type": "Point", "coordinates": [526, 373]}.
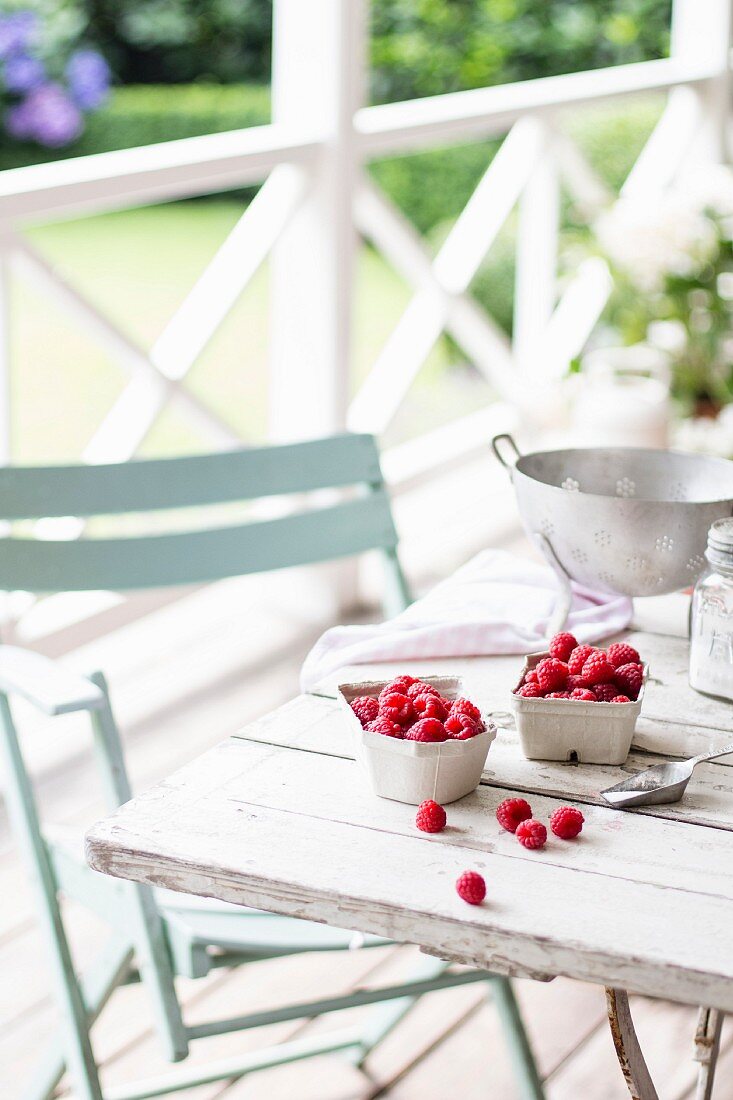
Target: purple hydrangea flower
{"type": "Point", "coordinates": [16, 32]}
{"type": "Point", "coordinates": [47, 116]}
{"type": "Point", "coordinates": [89, 79]}
{"type": "Point", "coordinates": [21, 73]}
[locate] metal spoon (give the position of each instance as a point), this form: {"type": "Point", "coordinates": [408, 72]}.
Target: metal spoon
{"type": "Point", "coordinates": [659, 784]}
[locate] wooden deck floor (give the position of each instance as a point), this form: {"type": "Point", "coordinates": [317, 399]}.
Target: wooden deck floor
{"type": "Point", "coordinates": [181, 681]}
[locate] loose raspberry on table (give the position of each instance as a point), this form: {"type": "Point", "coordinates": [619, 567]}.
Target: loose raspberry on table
{"type": "Point", "coordinates": [552, 674]}
{"type": "Point", "coordinates": [531, 833]}
{"type": "Point", "coordinates": [531, 677]}
{"type": "Point", "coordinates": [366, 708]}
{"type": "Point", "coordinates": [427, 729]}
{"type": "Point", "coordinates": [584, 695]}
{"type": "Point", "coordinates": [399, 686]}
{"type": "Point", "coordinates": [471, 887]}
{"type": "Point", "coordinates": [566, 822]}
{"type": "Point", "coordinates": [597, 670]}
{"type": "Point", "coordinates": [578, 658]}
{"type": "Point", "coordinates": [430, 706]}
{"type": "Point", "coordinates": [604, 693]}
{"type": "Point", "coordinates": [460, 726]}
{"type": "Point", "coordinates": [511, 811]}
{"type": "Point", "coordinates": [620, 699]}
{"type": "Point", "coordinates": [562, 645]}
{"type": "Point", "coordinates": [628, 679]}
{"type": "Point", "coordinates": [396, 707]}
{"type": "Point", "coordinates": [558, 695]}
{"type": "Point", "coordinates": [621, 653]}
{"type": "Point", "coordinates": [430, 817]}
{"type": "Point", "coordinates": [383, 725]}
{"type": "Point", "coordinates": [419, 687]}
{"type": "Point", "coordinates": [530, 691]}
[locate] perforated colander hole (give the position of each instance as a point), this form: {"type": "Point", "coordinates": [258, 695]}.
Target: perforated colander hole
{"type": "Point", "coordinates": [602, 538]}
{"type": "Point", "coordinates": [665, 544]}
{"type": "Point", "coordinates": [625, 487]}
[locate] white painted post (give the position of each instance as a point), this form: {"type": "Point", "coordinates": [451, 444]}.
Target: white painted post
{"type": "Point", "coordinates": [317, 84]}
{"type": "Point", "coordinates": [536, 262]}
{"type": "Point", "coordinates": [5, 358]}
{"type": "Point", "coordinates": [701, 32]}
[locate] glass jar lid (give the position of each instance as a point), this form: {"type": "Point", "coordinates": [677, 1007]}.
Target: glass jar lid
{"type": "Point", "coordinates": [720, 542]}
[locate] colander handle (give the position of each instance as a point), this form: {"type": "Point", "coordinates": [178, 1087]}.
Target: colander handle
{"type": "Point", "coordinates": [506, 438]}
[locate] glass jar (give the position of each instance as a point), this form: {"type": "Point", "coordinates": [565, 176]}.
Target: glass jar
{"type": "Point", "coordinates": [711, 625]}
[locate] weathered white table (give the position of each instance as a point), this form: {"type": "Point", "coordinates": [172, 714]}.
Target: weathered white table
{"type": "Point", "coordinates": [280, 817]}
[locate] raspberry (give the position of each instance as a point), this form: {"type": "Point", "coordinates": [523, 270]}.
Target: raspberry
{"type": "Point", "coordinates": [398, 686]}
{"type": "Point", "coordinates": [431, 817]}
{"type": "Point", "coordinates": [460, 726]}
{"type": "Point", "coordinates": [578, 658]}
{"type": "Point", "coordinates": [628, 679]}
{"type": "Point", "coordinates": [471, 887]}
{"type": "Point", "coordinates": [573, 683]}
{"type": "Point", "coordinates": [566, 822]}
{"type": "Point", "coordinates": [620, 699]}
{"type": "Point", "coordinates": [583, 694]}
{"type": "Point", "coordinates": [531, 833]}
{"type": "Point", "coordinates": [465, 706]}
{"type": "Point", "coordinates": [604, 693]}
{"type": "Point", "coordinates": [531, 677]}
{"type": "Point", "coordinates": [427, 729]}
{"type": "Point", "coordinates": [365, 708]}
{"type": "Point", "coordinates": [419, 687]}
{"type": "Point", "coordinates": [396, 707]}
{"type": "Point", "coordinates": [620, 653]}
{"type": "Point", "coordinates": [562, 645]}
{"type": "Point", "coordinates": [430, 706]}
{"type": "Point", "coordinates": [551, 674]}
{"type": "Point", "coordinates": [383, 725]}
{"type": "Point", "coordinates": [530, 691]}
{"type": "Point", "coordinates": [511, 811]}
{"type": "Point", "coordinates": [597, 670]}
{"type": "Point", "coordinates": [558, 695]}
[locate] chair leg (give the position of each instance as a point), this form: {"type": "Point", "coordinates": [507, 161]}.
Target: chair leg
{"type": "Point", "coordinates": [517, 1040]}
{"type": "Point", "coordinates": [707, 1047]}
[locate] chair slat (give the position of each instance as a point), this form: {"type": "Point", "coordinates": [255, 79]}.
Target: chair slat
{"type": "Point", "coordinates": [34, 492]}
{"type": "Point", "coordinates": [191, 557]}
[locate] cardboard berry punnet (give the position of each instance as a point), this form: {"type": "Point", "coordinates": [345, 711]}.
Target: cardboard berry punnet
{"type": "Point", "coordinates": [413, 771]}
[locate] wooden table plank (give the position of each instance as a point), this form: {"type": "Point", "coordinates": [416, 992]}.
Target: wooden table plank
{"type": "Point", "coordinates": [244, 825]}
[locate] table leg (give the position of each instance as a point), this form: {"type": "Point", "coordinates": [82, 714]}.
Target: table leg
{"type": "Point", "coordinates": [631, 1060]}
{"type": "Point", "coordinates": [707, 1045]}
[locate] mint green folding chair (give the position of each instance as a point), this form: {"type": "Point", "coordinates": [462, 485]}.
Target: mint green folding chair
{"type": "Point", "coordinates": [156, 935]}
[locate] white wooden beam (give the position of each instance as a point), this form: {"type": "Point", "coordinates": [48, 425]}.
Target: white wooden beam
{"type": "Point", "coordinates": [701, 36]}
{"type": "Point", "coordinates": [317, 86]}
{"type": "Point", "coordinates": [150, 173]}
{"type": "Point", "coordinates": [486, 112]}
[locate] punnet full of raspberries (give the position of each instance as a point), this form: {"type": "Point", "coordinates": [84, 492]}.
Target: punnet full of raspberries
{"type": "Point", "coordinates": [584, 673]}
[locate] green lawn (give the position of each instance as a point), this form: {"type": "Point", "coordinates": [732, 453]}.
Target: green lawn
{"type": "Point", "coordinates": [136, 266]}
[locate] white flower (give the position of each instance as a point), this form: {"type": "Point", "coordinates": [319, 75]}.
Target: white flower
{"type": "Point", "coordinates": [653, 237]}
{"type": "Point", "coordinates": [710, 187]}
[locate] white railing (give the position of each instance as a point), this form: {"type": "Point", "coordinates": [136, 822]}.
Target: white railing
{"type": "Point", "coordinates": [316, 199]}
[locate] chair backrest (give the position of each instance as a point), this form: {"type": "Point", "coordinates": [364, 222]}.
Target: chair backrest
{"type": "Point", "coordinates": [338, 528]}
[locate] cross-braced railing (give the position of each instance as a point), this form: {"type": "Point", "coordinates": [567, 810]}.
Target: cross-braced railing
{"type": "Point", "coordinates": [316, 199]}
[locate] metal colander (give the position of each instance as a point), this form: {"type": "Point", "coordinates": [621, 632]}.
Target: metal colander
{"type": "Point", "coordinates": [622, 520]}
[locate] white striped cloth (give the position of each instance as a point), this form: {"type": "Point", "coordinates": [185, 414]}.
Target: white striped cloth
{"type": "Point", "coordinates": [496, 603]}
